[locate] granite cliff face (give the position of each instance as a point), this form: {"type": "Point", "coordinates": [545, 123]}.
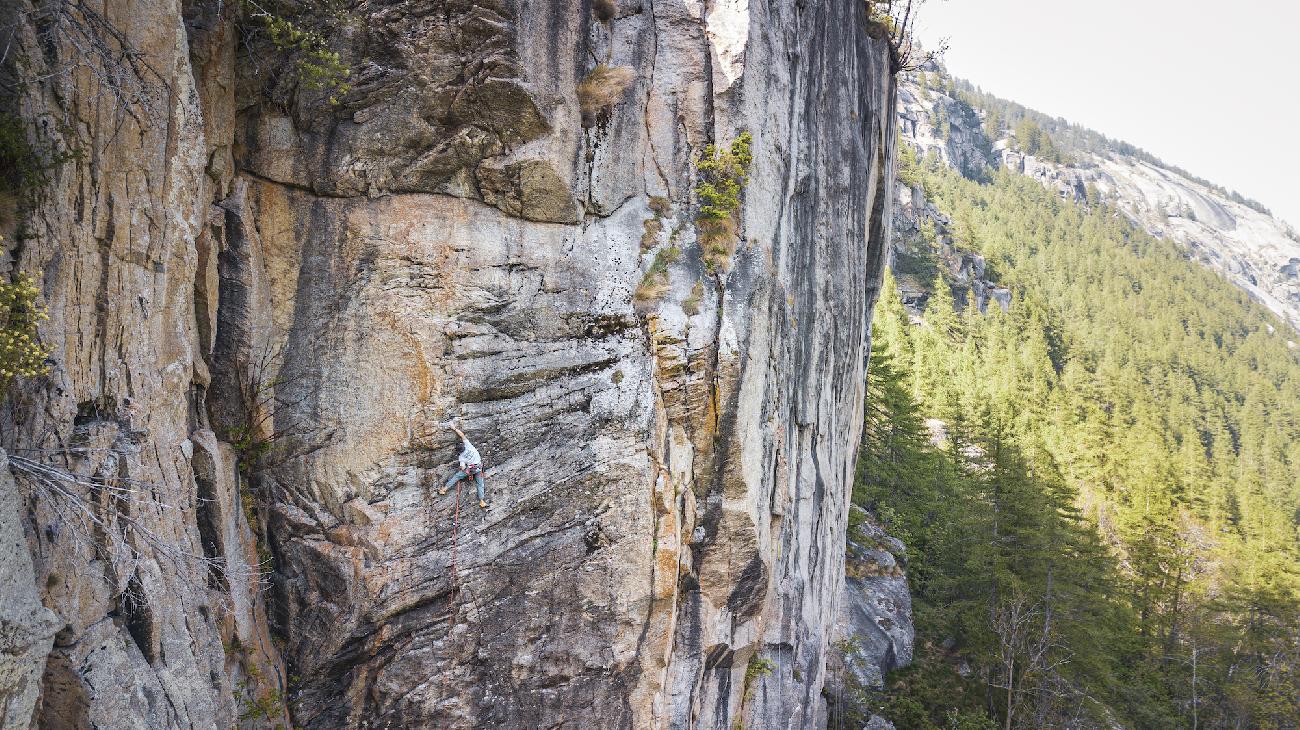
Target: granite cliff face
{"type": "Point", "coordinates": [1253, 250]}
{"type": "Point", "coordinates": [264, 305]}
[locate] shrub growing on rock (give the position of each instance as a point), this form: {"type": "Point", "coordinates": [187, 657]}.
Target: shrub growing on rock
{"type": "Point", "coordinates": [21, 356]}
{"type": "Point", "coordinates": [758, 667]}
{"type": "Point", "coordinates": [24, 167]}
{"type": "Point", "coordinates": [20, 166]}
{"type": "Point", "coordinates": [655, 282]}
{"type": "Point", "coordinates": [318, 66]}
{"type": "Point", "coordinates": [722, 174]}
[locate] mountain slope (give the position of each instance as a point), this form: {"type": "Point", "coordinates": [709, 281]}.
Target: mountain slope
{"type": "Point", "coordinates": [975, 132]}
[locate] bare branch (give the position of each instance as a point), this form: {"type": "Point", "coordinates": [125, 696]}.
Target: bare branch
{"type": "Point", "coordinates": [898, 18]}
{"type": "Point", "coordinates": [119, 529]}
{"type": "Point", "coordinates": [88, 42]}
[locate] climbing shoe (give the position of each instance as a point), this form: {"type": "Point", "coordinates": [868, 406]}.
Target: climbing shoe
{"type": "Point", "coordinates": [482, 504]}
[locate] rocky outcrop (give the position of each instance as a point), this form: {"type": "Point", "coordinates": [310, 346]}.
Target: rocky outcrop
{"type": "Point", "coordinates": [265, 304]}
{"type": "Point", "coordinates": [923, 245]}
{"type": "Point", "coordinates": [874, 634]}
{"type": "Point", "coordinates": [937, 124]}
{"type": "Point", "coordinates": [1251, 249]}
{"type": "Point", "coordinates": [133, 511]}
{"type": "Point", "coordinates": [1254, 251]}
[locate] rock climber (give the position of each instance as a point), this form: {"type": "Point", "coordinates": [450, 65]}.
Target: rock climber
{"type": "Point", "coordinates": [471, 465]}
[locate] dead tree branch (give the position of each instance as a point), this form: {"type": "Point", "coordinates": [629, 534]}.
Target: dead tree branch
{"type": "Point", "coordinates": [115, 526]}
{"type": "Point", "coordinates": [898, 19]}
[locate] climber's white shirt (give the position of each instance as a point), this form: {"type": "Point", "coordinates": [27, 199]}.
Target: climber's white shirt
{"type": "Point", "coordinates": [469, 455]}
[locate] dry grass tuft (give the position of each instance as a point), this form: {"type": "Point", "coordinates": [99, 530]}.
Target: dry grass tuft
{"type": "Point", "coordinates": [718, 241]}
{"type": "Point", "coordinates": [604, 10]}
{"type": "Point", "coordinates": [660, 205]}
{"type": "Point", "coordinates": [652, 288]}
{"type": "Point", "coordinates": [601, 89]}
{"type": "Point", "coordinates": [655, 282]}
{"type": "Point", "coordinates": [653, 227]}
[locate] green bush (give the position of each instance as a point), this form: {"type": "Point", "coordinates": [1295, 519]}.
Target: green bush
{"type": "Point", "coordinates": [908, 714]}
{"type": "Point", "coordinates": [20, 166]}
{"type": "Point", "coordinates": [758, 667]}
{"type": "Point", "coordinates": [319, 67]}
{"type": "Point", "coordinates": [957, 720]}
{"type": "Point", "coordinates": [24, 167]}
{"type": "Point", "coordinates": [909, 170]}
{"type": "Point", "coordinates": [722, 175]}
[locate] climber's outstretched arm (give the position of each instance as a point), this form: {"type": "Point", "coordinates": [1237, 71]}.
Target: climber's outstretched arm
{"type": "Point", "coordinates": [454, 425]}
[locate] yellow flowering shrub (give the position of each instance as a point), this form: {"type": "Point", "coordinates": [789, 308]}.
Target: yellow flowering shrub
{"type": "Point", "coordinates": [21, 355]}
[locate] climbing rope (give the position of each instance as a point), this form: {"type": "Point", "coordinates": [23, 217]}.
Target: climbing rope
{"type": "Point", "coordinates": [451, 616]}
{"type": "Point", "coordinates": [455, 536]}
{"type": "Point", "coordinates": [455, 589]}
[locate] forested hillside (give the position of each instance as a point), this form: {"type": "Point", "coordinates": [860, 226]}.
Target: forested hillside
{"type": "Point", "coordinates": [1098, 487]}
{"type": "Point", "coordinates": [1062, 139]}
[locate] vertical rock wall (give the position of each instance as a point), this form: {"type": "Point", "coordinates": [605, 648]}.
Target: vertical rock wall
{"type": "Point", "coordinates": [26, 627]}
{"type": "Point", "coordinates": [668, 481]}
{"type": "Point", "coordinates": [132, 507]}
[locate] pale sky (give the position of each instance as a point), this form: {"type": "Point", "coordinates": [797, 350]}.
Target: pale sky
{"type": "Point", "coordinates": [1213, 87]}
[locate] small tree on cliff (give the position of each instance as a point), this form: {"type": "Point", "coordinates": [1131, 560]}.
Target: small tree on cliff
{"type": "Point", "coordinates": [896, 20]}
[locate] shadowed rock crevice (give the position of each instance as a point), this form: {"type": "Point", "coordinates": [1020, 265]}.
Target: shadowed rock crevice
{"type": "Point", "coordinates": [137, 616]}
{"type": "Point", "coordinates": [65, 699]}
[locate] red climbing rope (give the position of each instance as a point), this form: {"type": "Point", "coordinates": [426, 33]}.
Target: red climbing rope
{"type": "Point", "coordinates": [455, 534]}
{"type": "Point", "coordinates": [455, 589]}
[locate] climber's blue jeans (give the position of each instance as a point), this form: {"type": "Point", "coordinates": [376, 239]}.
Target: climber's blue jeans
{"type": "Point", "coordinates": [478, 482]}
